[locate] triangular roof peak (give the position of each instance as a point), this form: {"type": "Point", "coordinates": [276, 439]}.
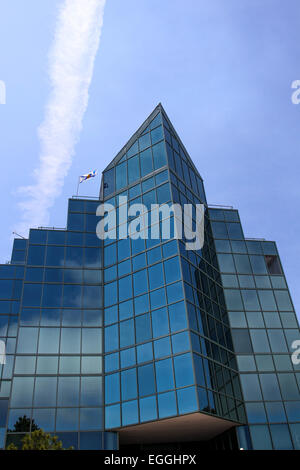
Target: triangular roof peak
{"type": "Point", "coordinates": [139, 132]}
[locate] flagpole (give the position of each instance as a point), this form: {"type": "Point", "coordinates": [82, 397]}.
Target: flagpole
{"type": "Point", "coordinates": [78, 186]}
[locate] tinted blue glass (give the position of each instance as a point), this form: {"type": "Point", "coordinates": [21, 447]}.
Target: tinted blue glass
{"type": "Point", "coordinates": [112, 416]}
{"type": "Point", "coordinates": [180, 342]}
{"type": "Point", "coordinates": [283, 300]}
{"type": "Point", "coordinates": [270, 387]}
{"type": "Point", "coordinates": [92, 257]}
{"type": "Point", "coordinates": [121, 176]}
{"type": "Point", "coordinates": [91, 391]}
{"type": "Point", "coordinates": [235, 231]}
{"type": "Point", "coordinates": [157, 298]}
{"type": "Point", "coordinates": [75, 221]}
{"type": "Point", "coordinates": [110, 255]}
{"type": "Point", "coordinates": [288, 387]}
{"type": "Point", "coordinates": [277, 341]}
{"type": "Point", "coordinates": [70, 340]}
{"type": "Point", "coordinates": [146, 380]}
{"type": "Point", "coordinates": [164, 375]}
{"type": "Point", "coordinates": [256, 412]}
{"type": "Point", "coordinates": [172, 270]}
{"type": "Point", "coordinates": [133, 149]}
{"type": "Point", "coordinates": [130, 413]}
{"type": "Point", "coordinates": [52, 295]}
{"type": "Point", "coordinates": [148, 409]}
{"type": "Point", "coordinates": [250, 299]}
{"type": "Point", "coordinates": [156, 277]}
{"type": "Point", "coordinates": [146, 162]}
{"type": "Point", "coordinates": [32, 295]}
{"type": "Point", "coordinates": [250, 386]}
{"type": "Point", "coordinates": [124, 268]}
{"type": "Point", "coordinates": [281, 437]}
{"type": "Point", "coordinates": [259, 341]}
{"type": "Point", "coordinates": [67, 419]}
{"type": "Point", "coordinates": [219, 229]}
{"type": "Point", "coordinates": [167, 404]}
{"type": "Point", "coordinates": [49, 341]}
{"type": "Point", "coordinates": [159, 155]}
{"type": "Point", "coordinates": [22, 391]}
{"type": "Point", "coordinates": [74, 256]}
{"type": "Point", "coordinates": [157, 135]}
{"type": "Point", "coordinates": [143, 328]}
{"type": "Point", "coordinates": [110, 294]}
{"type": "Point", "coordinates": [187, 400]}
{"type": "Point", "coordinates": [154, 255]}
{"type": "Point", "coordinates": [144, 353]}
{"type": "Point", "coordinates": [55, 255]}
{"type": "Point", "coordinates": [126, 310]}
{"type": "Point", "coordinates": [91, 419]}
{"type": "Point", "coordinates": [162, 348]}
{"type": "Point", "coordinates": [123, 249]}
{"type": "Point", "coordinates": [33, 275]}
{"type": "Point", "coordinates": [91, 341]}
{"type": "Point", "coordinates": [293, 410]}
{"type": "Point", "coordinates": [128, 357]}
{"type": "Point", "coordinates": [133, 169]}
{"type": "Point", "coordinates": [170, 248]}
{"type": "Point", "coordinates": [44, 418]}
{"type": "Point", "coordinates": [68, 391]}
{"type": "Point", "coordinates": [36, 255]}
{"type": "Point", "coordinates": [267, 300]}
{"type": "Point", "coordinates": [112, 388]}
{"type": "Point", "coordinates": [110, 274]}
{"type": "Point", "coordinates": [183, 367]}
{"type": "Point", "coordinates": [112, 362]}
{"type": "Point", "coordinates": [140, 283]}
{"type": "Point", "coordinates": [174, 292]}
{"type": "Point", "coordinates": [139, 262]}
{"type": "Point", "coordinates": [50, 317]}
{"type": "Point", "coordinates": [72, 296]}
{"type": "Point", "coordinates": [160, 322]}
{"type": "Point", "coordinates": [125, 288]}
{"type": "Point", "coordinates": [45, 391]}
{"type": "Point", "coordinates": [260, 436]}
{"type": "Point", "coordinates": [126, 333]}
{"type": "Point", "coordinates": [129, 384]}
{"type": "Point", "coordinates": [137, 246]}
{"type": "Point", "coordinates": [275, 412]}
{"type": "Point", "coordinates": [144, 141]}
{"type": "Point", "coordinates": [27, 340]}
{"type": "Point", "coordinates": [111, 338]}
{"type": "Point", "coordinates": [177, 315]}
{"type": "Point", "coordinates": [233, 299]}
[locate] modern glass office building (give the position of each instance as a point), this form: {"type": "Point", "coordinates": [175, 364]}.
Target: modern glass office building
{"type": "Point", "coordinates": [136, 341]}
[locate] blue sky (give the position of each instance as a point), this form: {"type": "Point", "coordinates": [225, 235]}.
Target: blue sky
{"type": "Point", "coordinates": [222, 70]}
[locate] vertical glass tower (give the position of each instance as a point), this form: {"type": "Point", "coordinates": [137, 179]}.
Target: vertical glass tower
{"type": "Point", "coordinates": [137, 341]}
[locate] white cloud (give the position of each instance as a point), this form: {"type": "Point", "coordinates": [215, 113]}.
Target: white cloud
{"type": "Point", "coordinates": [71, 64]}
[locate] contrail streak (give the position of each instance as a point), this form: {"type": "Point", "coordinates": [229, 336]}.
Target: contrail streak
{"type": "Point", "coordinates": [71, 63]}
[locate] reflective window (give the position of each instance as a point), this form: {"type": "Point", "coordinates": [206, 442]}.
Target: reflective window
{"type": "Point", "coordinates": [270, 387]}
{"type": "Point", "coordinates": [45, 391]}
{"type": "Point", "coordinates": [146, 380]}
{"type": "Point", "coordinates": [164, 375]}
{"type": "Point", "coordinates": [250, 386]}
{"type": "Point", "coordinates": [130, 413]}
{"type": "Point", "coordinates": [129, 384]}
{"type": "Point", "coordinates": [183, 367]}
{"type": "Point", "coordinates": [148, 409]}
{"type": "Point", "coordinates": [112, 388]}
{"type": "Point", "coordinates": [167, 404]}
{"type": "Point", "coordinates": [67, 419]}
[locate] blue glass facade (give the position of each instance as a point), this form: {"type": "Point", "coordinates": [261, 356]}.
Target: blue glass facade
{"type": "Point", "coordinates": [103, 337]}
